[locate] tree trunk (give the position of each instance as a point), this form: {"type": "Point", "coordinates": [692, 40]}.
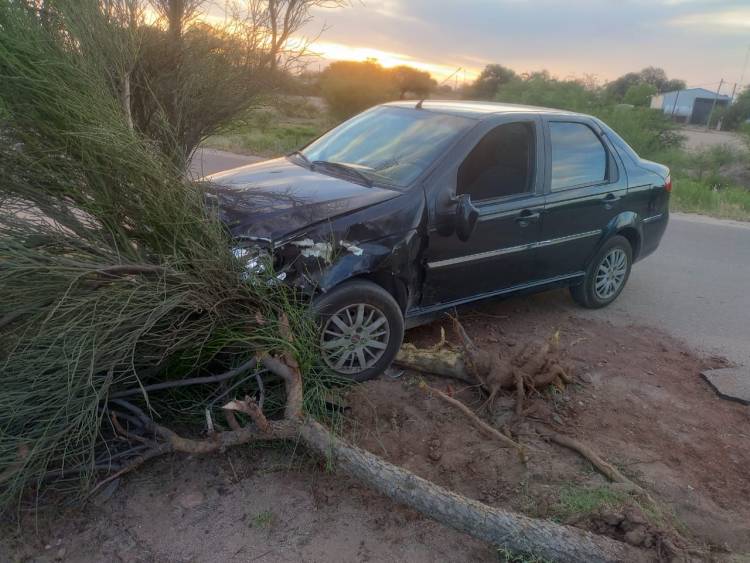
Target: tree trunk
{"type": "Point", "coordinates": [437, 360]}
{"type": "Point", "coordinates": [519, 533]}
{"type": "Point", "coordinates": [125, 97]}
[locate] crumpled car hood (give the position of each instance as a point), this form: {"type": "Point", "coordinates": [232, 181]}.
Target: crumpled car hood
{"type": "Point", "coordinates": [276, 198]}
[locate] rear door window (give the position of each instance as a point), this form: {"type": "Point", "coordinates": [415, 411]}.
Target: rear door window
{"type": "Point", "coordinates": [578, 156]}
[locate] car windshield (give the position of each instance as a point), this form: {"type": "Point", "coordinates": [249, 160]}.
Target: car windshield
{"type": "Point", "coordinates": [389, 145]}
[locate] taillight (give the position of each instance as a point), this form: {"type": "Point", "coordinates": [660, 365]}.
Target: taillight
{"type": "Point", "coordinates": [668, 183]}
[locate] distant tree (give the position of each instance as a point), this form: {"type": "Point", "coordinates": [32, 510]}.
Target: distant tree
{"type": "Point", "coordinates": [445, 90]}
{"type": "Point", "coordinates": [657, 78]}
{"type": "Point", "coordinates": [350, 87]}
{"type": "Point", "coordinates": [653, 76]}
{"type": "Point", "coordinates": [738, 112]}
{"type": "Point", "coordinates": [618, 87]}
{"type": "Point", "coordinates": [541, 89]}
{"type": "Point", "coordinates": [410, 80]}
{"type": "Point", "coordinates": [491, 78]}
{"type": "Point", "coordinates": [639, 94]}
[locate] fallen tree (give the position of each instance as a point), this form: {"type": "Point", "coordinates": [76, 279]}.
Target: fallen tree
{"type": "Point", "coordinates": [118, 291]}
{"type": "Point", "coordinates": [499, 527]}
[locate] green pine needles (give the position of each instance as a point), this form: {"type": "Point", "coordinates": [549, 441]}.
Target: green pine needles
{"type": "Point", "coordinates": [113, 274]}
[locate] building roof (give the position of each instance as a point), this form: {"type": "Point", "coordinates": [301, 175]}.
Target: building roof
{"type": "Point", "coordinates": [698, 93]}
{"type": "Point", "coordinates": [467, 108]}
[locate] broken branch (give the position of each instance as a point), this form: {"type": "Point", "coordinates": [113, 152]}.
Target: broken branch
{"type": "Point", "coordinates": [251, 409]}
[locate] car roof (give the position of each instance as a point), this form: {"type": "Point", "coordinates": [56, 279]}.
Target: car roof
{"type": "Point", "coordinates": [477, 110]}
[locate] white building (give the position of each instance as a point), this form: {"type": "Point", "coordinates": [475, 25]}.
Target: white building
{"type": "Point", "coordinates": [692, 105]}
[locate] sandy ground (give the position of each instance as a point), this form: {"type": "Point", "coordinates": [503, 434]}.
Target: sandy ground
{"type": "Point", "coordinates": [638, 400]}
{"type": "Point", "coordinates": [696, 139]}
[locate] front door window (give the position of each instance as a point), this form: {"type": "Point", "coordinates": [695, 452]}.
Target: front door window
{"type": "Point", "coordinates": [500, 165]}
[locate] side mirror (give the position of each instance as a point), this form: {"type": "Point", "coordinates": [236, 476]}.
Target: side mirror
{"type": "Point", "coordinates": [466, 217]}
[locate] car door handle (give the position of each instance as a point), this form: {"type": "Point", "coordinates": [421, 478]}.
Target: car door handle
{"type": "Point", "coordinates": [527, 217]}
{"type": "Point", "coordinates": [609, 200]}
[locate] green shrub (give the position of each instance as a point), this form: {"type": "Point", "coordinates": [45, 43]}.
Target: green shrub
{"type": "Point", "coordinates": [541, 89]}
{"type": "Point", "coordinates": [700, 197]}
{"type": "Point", "coordinates": [278, 139]}
{"type": "Point", "coordinates": [737, 114]}
{"type": "Point", "coordinates": [639, 95]}
{"type": "Point", "coordinates": [296, 107]}
{"type": "Point", "coordinates": [351, 87]}
{"type": "Point", "coordinates": [262, 119]}
{"type": "Point", "coordinates": [648, 131]}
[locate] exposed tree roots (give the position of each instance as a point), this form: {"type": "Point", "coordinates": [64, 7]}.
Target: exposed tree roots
{"type": "Point", "coordinates": [478, 422]}
{"type": "Point", "coordinates": [606, 469]}
{"type": "Point", "coordinates": [527, 371]}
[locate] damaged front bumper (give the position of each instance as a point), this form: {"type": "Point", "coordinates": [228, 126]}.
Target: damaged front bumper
{"type": "Point", "coordinates": [300, 263]}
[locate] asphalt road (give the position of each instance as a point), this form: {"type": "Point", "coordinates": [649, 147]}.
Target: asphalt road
{"type": "Point", "coordinates": [696, 286]}
{"type": "Point", "coordinates": [210, 161]}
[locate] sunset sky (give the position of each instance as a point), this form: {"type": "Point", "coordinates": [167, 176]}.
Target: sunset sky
{"type": "Point", "coordinates": [700, 41]}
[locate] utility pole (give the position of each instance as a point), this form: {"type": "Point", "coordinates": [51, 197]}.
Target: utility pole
{"type": "Point", "coordinates": [674, 106]}
{"type": "Point", "coordinates": [744, 68]}
{"type": "Point", "coordinates": [713, 106]}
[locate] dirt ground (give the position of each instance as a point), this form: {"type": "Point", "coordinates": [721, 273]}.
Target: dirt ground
{"type": "Point", "coordinates": [698, 138]}
{"type": "Point", "coordinates": [638, 401]}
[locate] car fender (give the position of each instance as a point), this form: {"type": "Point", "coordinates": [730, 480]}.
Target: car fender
{"type": "Point", "coordinates": [388, 260]}
{"type": "Point", "coordinates": [628, 224]}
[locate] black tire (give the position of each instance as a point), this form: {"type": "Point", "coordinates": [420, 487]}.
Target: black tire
{"type": "Point", "coordinates": [587, 294]}
{"type": "Point", "coordinates": [374, 299]}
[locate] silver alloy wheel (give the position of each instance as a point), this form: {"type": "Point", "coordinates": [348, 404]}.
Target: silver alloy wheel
{"type": "Point", "coordinates": [611, 273]}
{"type": "Point", "coordinates": [354, 338]}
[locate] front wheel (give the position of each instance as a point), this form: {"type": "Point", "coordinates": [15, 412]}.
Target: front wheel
{"type": "Point", "coordinates": [606, 275]}
{"type": "Point", "coordinates": [361, 329]}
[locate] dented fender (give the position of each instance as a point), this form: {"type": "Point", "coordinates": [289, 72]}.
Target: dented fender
{"type": "Point", "coordinates": [322, 265]}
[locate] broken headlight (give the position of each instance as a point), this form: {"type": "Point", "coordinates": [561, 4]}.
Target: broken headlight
{"type": "Point", "coordinates": [254, 259]}
{"type": "Point", "coordinates": [259, 262]}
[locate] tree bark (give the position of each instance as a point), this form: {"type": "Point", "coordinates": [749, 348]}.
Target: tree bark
{"type": "Point", "coordinates": [519, 533]}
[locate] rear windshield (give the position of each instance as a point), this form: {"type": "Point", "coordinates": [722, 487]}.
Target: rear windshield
{"type": "Point", "coordinates": [390, 145]}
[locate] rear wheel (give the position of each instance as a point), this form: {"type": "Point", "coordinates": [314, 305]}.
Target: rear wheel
{"type": "Point", "coordinates": [361, 329]}
{"type": "Point", "coordinates": [606, 275]}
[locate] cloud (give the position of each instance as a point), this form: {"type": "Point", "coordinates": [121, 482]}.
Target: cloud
{"type": "Point", "coordinates": [705, 39]}
{"type": "Point", "coordinates": [680, 2]}
{"type": "Point", "coordinates": [738, 20]}
{"type": "Point", "coordinates": [333, 51]}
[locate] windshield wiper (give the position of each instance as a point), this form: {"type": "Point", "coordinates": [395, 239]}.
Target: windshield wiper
{"type": "Point", "coordinates": [301, 155]}
{"type": "Point", "coordinates": [351, 170]}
